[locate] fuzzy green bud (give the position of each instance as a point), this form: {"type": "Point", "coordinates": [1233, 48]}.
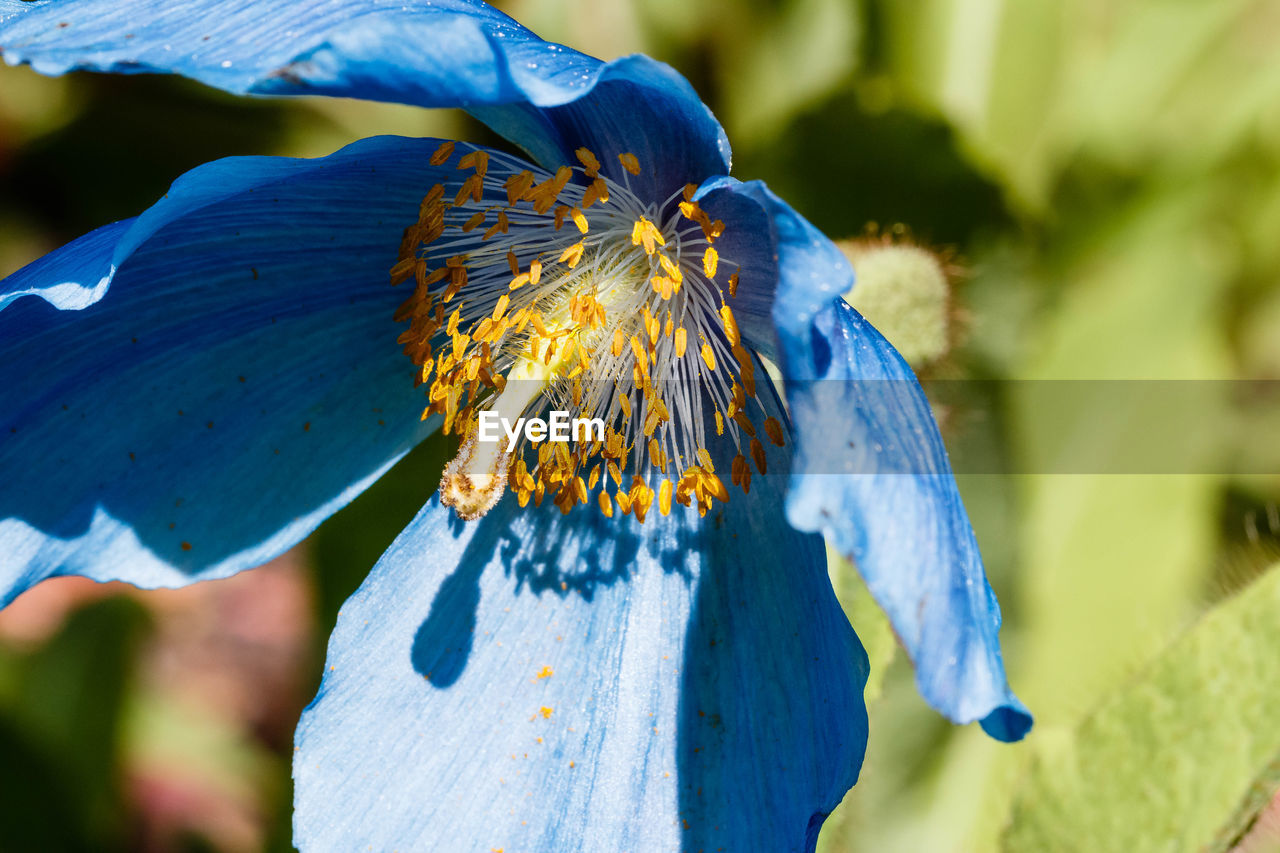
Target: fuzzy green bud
{"type": "Point", "coordinates": [905, 292]}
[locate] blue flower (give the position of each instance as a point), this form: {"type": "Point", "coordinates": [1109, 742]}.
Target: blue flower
{"type": "Point", "coordinates": [194, 390]}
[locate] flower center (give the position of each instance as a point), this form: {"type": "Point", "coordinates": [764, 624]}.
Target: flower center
{"type": "Point", "coordinates": [565, 292]}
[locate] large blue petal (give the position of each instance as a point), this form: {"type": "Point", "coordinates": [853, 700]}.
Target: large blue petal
{"type": "Point", "coordinates": [238, 382]}
{"type": "Point", "coordinates": [881, 489]}
{"type": "Point", "coordinates": [872, 472]}
{"type": "Point", "coordinates": [543, 96]}
{"type": "Point", "coordinates": [700, 688]}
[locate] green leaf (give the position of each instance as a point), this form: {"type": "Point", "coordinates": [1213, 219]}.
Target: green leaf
{"type": "Point", "coordinates": [1166, 763]}
{"type": "Point", "coordinates": [867, 619]}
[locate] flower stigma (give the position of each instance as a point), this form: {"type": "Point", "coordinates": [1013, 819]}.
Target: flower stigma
{"type": "Point", "coordinates": [540, 291]}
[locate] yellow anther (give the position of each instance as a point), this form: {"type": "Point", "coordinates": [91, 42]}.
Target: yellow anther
{"type": "Point", "coordinates": [535, 271]}
{"type": "Point", "coordinates": [710, 260]}
{"type": "Point", "coordinates": [704, 457]}
{"type": "Point", "coordinates": [501, 307]}
{"type": "Point", "coordinates": [519, 281]}
{"type": "Point", "coordinates": [625, 403]}
{"type": "Point", "coordinates": [473, 222]}
{"type": "Point", "coordinates": [637, 349]}
{"type": "Point", "coordinates": [538, 325]}
{"type": "Point", "coordinates": [454, 319]}
{"type": "Point", "coordinates": [403, 270]}
{"type": "Point", "coordinates": [682, 341]}
{"type": "Point", "coordinates": [736, 469]}
{"type": "Point", "coordinates": [647, 233]}
{"type": "Point", "coordinates": [733, 285]}
{"type": "Point", "coordinates": [664, 497]}
{"type": "Point", "coordinates": [606, 505]}
{"type": "Point", "coordinates": [518, 185]}
{"type": "Point", "coordinates": [689, 190]}
{"type": "Point", "coordinates": [730, 326]}
{"type": "Point", "coordinates": [478, 160]}
{"type": "Point", "coordinates": [656, 456]}
{"type": "Point", "coordinates": [579, 219]}
{"type": "Point", "coordinates": [715, 486]}
{"type": "Point", "coordinates": [670, 267]}
{"type": "Point", "coordinates": [590, 165]}
{"type": "Point", "coordinates": [499, 227]}
{"type": "Point", "coordinates": [558, 219]}
{"type": "Point", "coordinates": [744, 422]}
{"type": "Point", "coordinates": [619, 341]}
{"type": "Point", "coordinates": [773, 428]}
{"type": "Point", "coordinates": [442, 154]}
{"type": "Point", "coordinates": [598, 191]}
{"type": "Point", "coordinates": [630, 163]}
{"type": "Point", "coordinates": [513, 262]}
{"type": "Point", "coordinates": [719, 423]}
{"type": "Point", "coordinates": [708, 356]}
{"type": "Point", "coordinates": [757, 453]}
{"type": "Point", "coordinates": [573, 254]}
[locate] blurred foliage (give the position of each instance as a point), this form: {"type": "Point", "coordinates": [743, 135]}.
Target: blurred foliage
{"type": "Point", "coordinates": [1165, 763]}
{"type": "Point", "coordinates": [1106, 175]}
{"type": "Point", "coordinates": [61, 709]}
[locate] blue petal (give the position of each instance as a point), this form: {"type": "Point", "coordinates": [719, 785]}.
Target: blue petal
{"type": "Point", "coordinates": [881, 490]}
{"type": "Point", "coordinates": [238, 382]}
{"type": "Point", "coordinates": [872, 471]}
{"type": "Point", "coordinates": [543, 96]}
{"type": "Point", "coordinates": [702, 689]}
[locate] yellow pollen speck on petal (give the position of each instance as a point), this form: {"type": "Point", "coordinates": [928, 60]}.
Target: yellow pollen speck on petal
{"type": "Point", "coordinates": [545, 711]}
{"type": "Point", "coordinates": [630, 163]}
{"type": "Point", "coordinates": [442, 154]}
{"type": "Point", "coordinates": [545, 672]}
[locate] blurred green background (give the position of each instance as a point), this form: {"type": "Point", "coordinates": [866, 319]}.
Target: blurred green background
{"type": "Point", "coordinates": [1104, 178]}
